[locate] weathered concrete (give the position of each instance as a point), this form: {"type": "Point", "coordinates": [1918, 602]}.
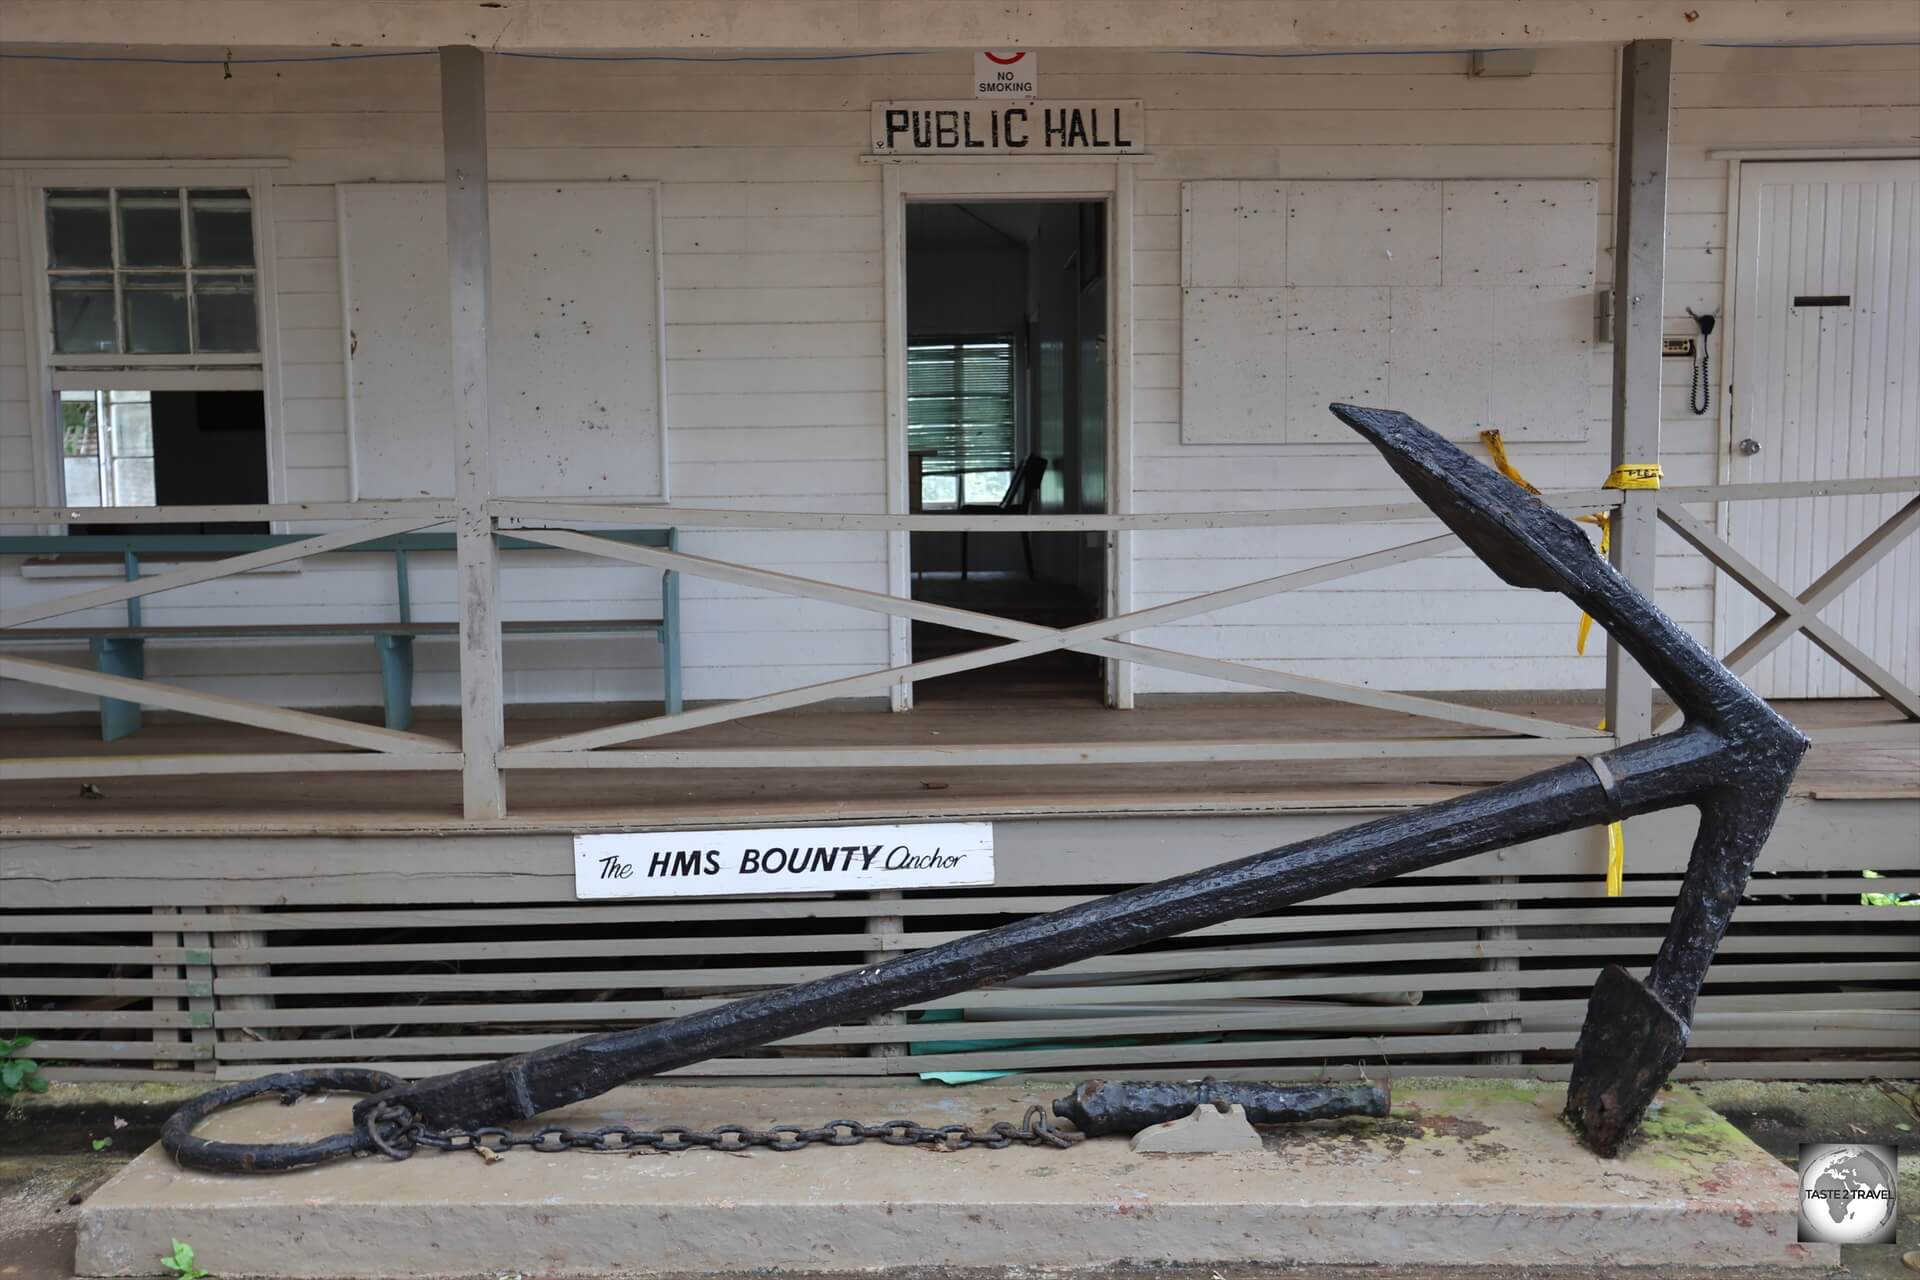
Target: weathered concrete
{"type": "Point", "coordinates": [1460, 1175]}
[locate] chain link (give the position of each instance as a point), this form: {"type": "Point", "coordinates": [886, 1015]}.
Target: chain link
{"type": "Point", "coordinates": [395, 1133]}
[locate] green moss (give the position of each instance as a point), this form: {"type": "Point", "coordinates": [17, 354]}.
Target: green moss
{"type": "Point", "coordinates": [1684, 1133]}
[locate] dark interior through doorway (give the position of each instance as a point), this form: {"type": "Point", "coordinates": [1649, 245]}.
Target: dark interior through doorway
{"type": "Point", "coordinates": [1007, 414]}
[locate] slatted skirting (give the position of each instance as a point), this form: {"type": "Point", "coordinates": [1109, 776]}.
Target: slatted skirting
{"type": "Point", "coordinates": [420, 954]}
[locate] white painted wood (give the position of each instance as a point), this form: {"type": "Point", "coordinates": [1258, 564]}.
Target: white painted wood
{"type": "Point", "coordinates": [1541, 360]}
{"type": "Point", "coordinates": [577, 386]}
{"type": "Point", "coordinates": [1827, 393]}
{"type": "Point", "coordinates": [1235, 233]}
{"type": "Point", "coordinates": [1410, 938]}
{"type": "Point", "coordinates": [1364, 233]}
{"type": "Point", "coordinates": [893, 213]}
{"type": "Point", "coordinates": [1122, 231]}
{"type": "Point", "coordinates": [1640, 213]}
{"type": "Point", "coordinates": [1233, 363]}
{"type": "Point", "coordinates": [1828, 586]}
{"type": "Point", "coordinates": [1798, 617]}
{"type": "Point", "coordinates": [1490, 281]}
{"type": "Point", "coordinates": [1440, 359]}
{"type": "Point", "coordinates": [519, 509]}
{"type": "Point", "coordinates": [215, 706]}
{"type": "Point", "coordinates": [761, 351]}
{"type": "Point", "coordinates": [1519, 233]}
{"type": "Point", "coordinates": [463, 125]}
{"type": "Point", "coordinates": [770, 25]}
{"type": "Point", "coordinates": [1028, 638]}
{"type": "Point", "coordinates": [1337, 345]}
{"type": "Point", "coordinates": [87, 768]}
{"type": "Point", "coordinates": [208, 570]}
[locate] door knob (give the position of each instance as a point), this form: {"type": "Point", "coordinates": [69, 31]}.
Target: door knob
{"type": "Point", "coordinates": [1749, 446]}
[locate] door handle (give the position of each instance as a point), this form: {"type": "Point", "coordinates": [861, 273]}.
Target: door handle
{"type": "Point", "coordinates": [1749, 446]}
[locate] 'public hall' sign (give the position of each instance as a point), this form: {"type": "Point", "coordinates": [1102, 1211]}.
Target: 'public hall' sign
{"type": "Point", "coordinates": [1082, 130]}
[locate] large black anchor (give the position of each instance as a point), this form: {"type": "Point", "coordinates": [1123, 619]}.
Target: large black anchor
{"type": "Point", "coordinates": [1733, 758]}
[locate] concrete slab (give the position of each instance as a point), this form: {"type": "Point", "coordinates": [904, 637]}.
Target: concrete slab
{"type": "Point", "coordinates": [1476, 1173]}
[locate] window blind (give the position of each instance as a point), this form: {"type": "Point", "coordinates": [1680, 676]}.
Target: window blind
{"type": "Point", "coordinates": [960, 406]}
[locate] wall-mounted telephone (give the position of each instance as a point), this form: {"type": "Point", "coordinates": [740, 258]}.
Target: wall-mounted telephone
{"type": "Point", "coordinates": [1702, 395]}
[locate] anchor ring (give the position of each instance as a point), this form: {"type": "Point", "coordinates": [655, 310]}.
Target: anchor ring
{"type": "Point", "coordinates": [212, 1156]}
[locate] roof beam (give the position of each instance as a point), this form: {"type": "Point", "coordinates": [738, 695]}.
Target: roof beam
{"type": "Point", "coordinates": [750, 25]}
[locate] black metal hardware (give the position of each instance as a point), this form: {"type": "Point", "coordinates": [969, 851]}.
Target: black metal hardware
{"type": "Point", "coordinates": [1034, 1130]}
{"type": "Point", "coordinates": [1700, 398]}
{"type": "Point", "coordinates": [1823, 300]}
{"type": "Point", "coordinates": [1101, 1107]}
{"type": "Point", "coordinates": [1733, 758]}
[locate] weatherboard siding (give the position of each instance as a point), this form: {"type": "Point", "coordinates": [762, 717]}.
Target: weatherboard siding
{"type": "Point", "coordinates": [772, 252]}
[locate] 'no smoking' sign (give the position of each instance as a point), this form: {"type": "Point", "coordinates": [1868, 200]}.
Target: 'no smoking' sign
{"type": "Point", "coordinates": [1006, 73]}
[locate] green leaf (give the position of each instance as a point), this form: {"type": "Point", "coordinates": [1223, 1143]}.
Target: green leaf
{"type": "Point", "coordinates": [182, 1262]}
{"type": "Point", "coordinates": [36, 1083]}
{"type": "Point", "coordinates": [101, 1144]}
{"type": "Point", "coordinates": [12, 1072]}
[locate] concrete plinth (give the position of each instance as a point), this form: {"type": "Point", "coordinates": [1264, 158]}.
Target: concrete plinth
{"type": "Point", "coordinates": [1460, 1175]}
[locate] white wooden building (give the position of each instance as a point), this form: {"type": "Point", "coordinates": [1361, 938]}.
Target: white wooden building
{"type": "Point", "coordinates": [794, 290]}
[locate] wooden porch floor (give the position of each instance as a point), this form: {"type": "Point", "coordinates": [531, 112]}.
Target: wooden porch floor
{"type": "Point", "coordinates": [589, 799]}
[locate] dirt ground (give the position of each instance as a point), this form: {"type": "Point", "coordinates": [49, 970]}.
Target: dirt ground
{"type": "Point", "coordinates": [48, 1165]}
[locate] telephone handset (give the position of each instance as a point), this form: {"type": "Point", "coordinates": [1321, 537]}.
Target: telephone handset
{"type": "Point", "coordinates": [1702, 395]}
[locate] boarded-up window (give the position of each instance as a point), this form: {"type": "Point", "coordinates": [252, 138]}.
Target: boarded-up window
{"type": "Point", "coordinates": [960, 417]}
{"type": "Point", "coordinates": [1469, 304]}
{"type": "Point", "coordinates": [575, 351]}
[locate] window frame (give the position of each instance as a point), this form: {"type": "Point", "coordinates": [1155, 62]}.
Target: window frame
{"type": "Point", "coordinates": [50, 372]}
{"type": "Point", "coordinates": [1016, 372]}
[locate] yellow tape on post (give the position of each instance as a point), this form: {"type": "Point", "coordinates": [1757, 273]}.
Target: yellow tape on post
{"type": "Point", "coordinates": [1628, 475]}
{"type": "Point", "coordinates": [1616, 844]}
{"type": "Point", "coordinates": [1634, 475]}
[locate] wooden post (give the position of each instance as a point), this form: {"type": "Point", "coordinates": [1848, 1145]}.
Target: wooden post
{"type": "Point", "coordinates": [1639, 266]}
{"type": "Point", "coordinates": [886, 926]}
{"type": "Point", "coordinates": [1500, 964]}
{"type": "Point", "coordinates": [463, 123]}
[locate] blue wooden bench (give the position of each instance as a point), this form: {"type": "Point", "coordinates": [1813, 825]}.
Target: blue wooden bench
{"type": "Point", "coordinates": [121, 650]}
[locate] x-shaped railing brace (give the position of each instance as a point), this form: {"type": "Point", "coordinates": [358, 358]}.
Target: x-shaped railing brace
{"type": "Point", "coordinates": [1733, 758]}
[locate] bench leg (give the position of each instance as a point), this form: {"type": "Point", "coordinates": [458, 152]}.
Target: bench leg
{"type": "Point", "coordinates": [670, 641]}
{"type": "Point", "coordinates": [396, 678]}
{"type": "Point", "coordinates": [119, 656]}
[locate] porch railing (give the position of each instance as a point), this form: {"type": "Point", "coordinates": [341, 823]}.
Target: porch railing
{"type": "Point", "coordinates": [1499, 733]}
{"type": "Point", "coordinates": [374, 748]}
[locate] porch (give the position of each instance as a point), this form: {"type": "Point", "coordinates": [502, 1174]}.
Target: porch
{"type": "Point", "coordinates": [1214, 755]}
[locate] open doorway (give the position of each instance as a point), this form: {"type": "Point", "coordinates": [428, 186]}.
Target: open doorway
{"type": "Point", "coordinates": [1007, 414]}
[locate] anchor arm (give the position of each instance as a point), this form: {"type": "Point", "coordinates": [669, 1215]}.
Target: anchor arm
{"type": "Point", "coordinates": [1634, 1033]}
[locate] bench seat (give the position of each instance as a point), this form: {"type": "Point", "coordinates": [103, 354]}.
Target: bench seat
{"type": "Point", "coordinates": [121, 650]}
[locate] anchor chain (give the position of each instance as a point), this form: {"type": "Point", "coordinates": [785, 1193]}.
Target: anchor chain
{"type": "Point", "coordinates": [396, 1133]}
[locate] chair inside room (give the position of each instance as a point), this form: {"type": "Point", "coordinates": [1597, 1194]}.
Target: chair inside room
{"type": "Point", "coordinates": [1018, 500]}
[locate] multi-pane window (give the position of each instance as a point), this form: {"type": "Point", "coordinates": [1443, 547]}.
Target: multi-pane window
{"type": "Point", "coordinates": [151, 270]}
{"type": "Point", "coordinates": [960, 419]}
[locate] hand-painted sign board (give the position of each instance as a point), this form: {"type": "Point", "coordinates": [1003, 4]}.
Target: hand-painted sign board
{"type": "Point", "coordinates": [1082, 130]}
{"type": "Point", "coordinates": [680, 864]}
{"type": "Point", "coordinates": [1006, 73]}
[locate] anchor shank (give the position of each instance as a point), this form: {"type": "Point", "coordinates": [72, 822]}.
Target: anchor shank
{"type": "Point", "coordinates": [1554, 800]}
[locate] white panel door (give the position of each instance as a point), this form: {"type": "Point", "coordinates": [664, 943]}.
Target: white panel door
{"type": "Point", "coordinates": [1826, 385]}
